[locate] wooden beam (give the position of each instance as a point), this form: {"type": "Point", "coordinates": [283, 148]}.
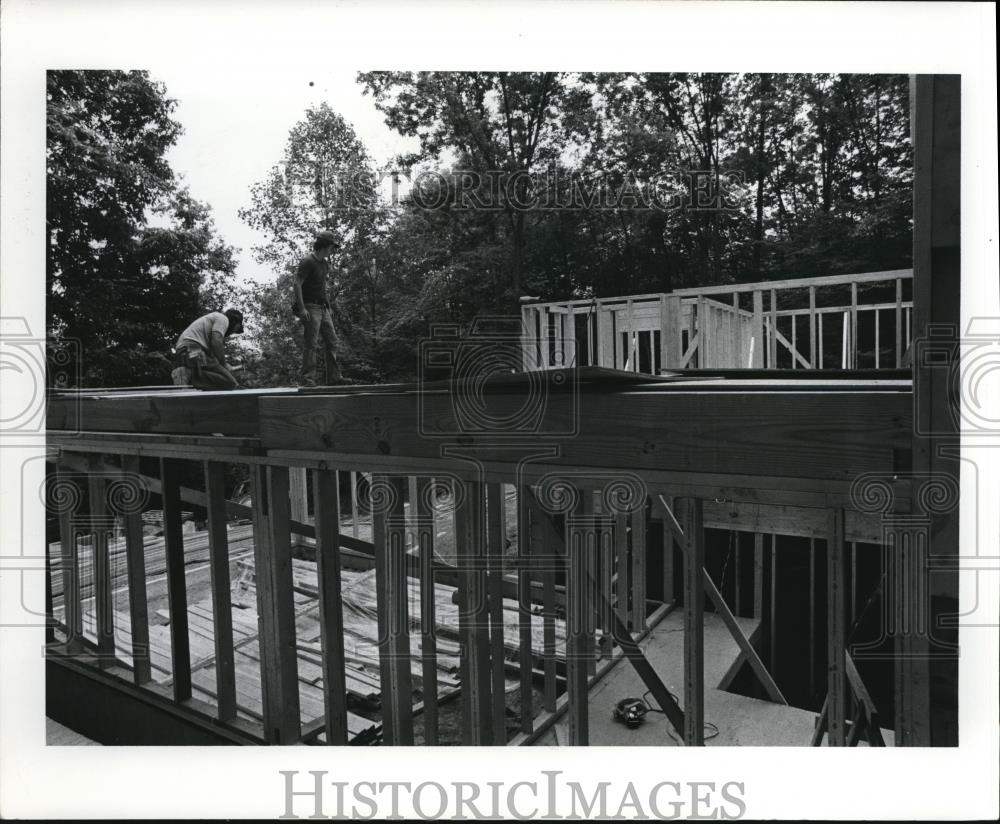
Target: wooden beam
{"type": "Point", "coordinates": [685, 539]}
{"type": "Point", "coordinates": [496, 541]}
{"type": "Point", "coordinates": [852, 359]}
{"type": "Point", "coordinates": [173, 544]}
{"type": "Point", "coordinates": [473, 617]}
{"type": "Point", "coordinates": [836, 630]}
{"type": "Point", "coordinates": [758, 576]}
{"type": "Point", "coordinates": [659, 692]}
{"type": "Point", "coordinates": [326, 506]}
{"type": "Point", "coordinates": [812, 617]}
{"type": "Point", "coordinates": [298, 496]}
{"type": "Point", "coordinates": [69, 498]}
{"type": "Point", "coordinates": [275, 609]}
{"type": "Point", "coordinates": [101, 526]}
{"type": "Point", "coordinates": [694, 622]}
{"type": "Point", "coordinates": [812, 327]}
{"type": "Point", "coordinates": [548, 557]}
{"type": "Point", "coordinates": [638, 518]}
{"type": "Point", "coordinates": [758, 330]}
{"type": "Point", "coordinates": [391, 592]}
{"type": "Point", "coordinates": [524, 541]}
{"type": "Point", "coordinates": [772, 350]}
{"type": "Point", "coordinates": [233, 509]}
{"type": "Point", "coordinates": [136, 562]}
{"type": "Point", "coordinates": [668, 565]}
{"type": "Point", "coordinates": [580, 537]}
{"type": "Point", "coordinates": [899, 322]}
{"type": "Point", "coordinates": [864, 701]}
{"type": "Point", "coordinates": [425, 531]}
{"type": "Point", "coordinates": [795, 283]}
{"type": "Point", "coordinates": [222, 608]}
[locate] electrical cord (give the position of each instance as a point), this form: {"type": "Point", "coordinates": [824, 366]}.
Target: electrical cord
{"type": "Point", "coordinates": [649, 708]}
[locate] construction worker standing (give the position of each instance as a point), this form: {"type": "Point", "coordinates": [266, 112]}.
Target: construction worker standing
{"type": "Point", "coordinates": [200, 351]}
{"type": "Point", "coordinates": [312, 307]}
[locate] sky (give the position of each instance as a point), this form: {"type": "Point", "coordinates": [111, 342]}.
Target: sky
{"type": "Point", "coordinates": [236, 123]}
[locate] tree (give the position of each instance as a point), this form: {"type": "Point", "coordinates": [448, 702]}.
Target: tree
{"type": "Point", "coordinates": [502, 123]}
{"type": "Point", "coordinates": [131, 258]}
{"type": "Point", "coordinates": [325, 180]}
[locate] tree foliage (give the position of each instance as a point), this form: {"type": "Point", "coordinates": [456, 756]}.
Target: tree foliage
{"type": "Point", "coordinates": [132, 258]}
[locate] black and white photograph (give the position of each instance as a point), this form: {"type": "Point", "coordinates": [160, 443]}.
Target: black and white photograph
{"type": "Point", "coordinates": [616, 375]}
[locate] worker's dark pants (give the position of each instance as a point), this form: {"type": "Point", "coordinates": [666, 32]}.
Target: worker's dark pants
{"type": "Point", "coordinates": [207, 373]}
{"type": "Point", "coordinates": [316, 323]}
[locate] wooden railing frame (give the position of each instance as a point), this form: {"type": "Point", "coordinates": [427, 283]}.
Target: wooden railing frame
{"type": "Point", "coordinates": [701, 303]}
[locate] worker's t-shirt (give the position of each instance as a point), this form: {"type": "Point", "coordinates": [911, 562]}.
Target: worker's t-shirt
{"type": "Point", "coordinates": [200, 332]}
{"type": "Point", "coordinates": [313, 271]}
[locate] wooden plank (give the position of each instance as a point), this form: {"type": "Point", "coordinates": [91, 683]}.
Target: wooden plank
{"type": "Point", "coordinates": [668, 565]}
{"type": "Point", "coordinates": [899, 322]}
{"type": "Point", "coordinates": [529, 339]}
{"type": "Point", "coordinates": [326, 506]}
{"type": "Point", "coordinates": [549, 557]}
{"type": "Point", "coordinates": [793, 347]}
{"type": "Point", "coordinates": [865, 701]}
{"type": "Point", "coordinates": [836, 630]}
{"type": "Point", "coordinates": [136, 560]}
{"type": "Point", "coordinates": [814, 435]}
{"type": "Point", "coordinates": [101, 524]}
{"type": "Point", "coordinates": [354, 503]}
{"type": "Point", "coordinates": [425, 532]}
{"type": "Point", "coordinates": [813, 360]}
{"type": "Point", "coordinates": [795, 283]}
{"type": "Point", "coordinates": [737, 338]}
{"type": "Point", "coordinates": [496, 540]}
{"type": "Point", "coordinates": [601, 320]}
{"type": "Point", "coordinates": [796, 355]}
{"type": "Point", "coordinates": [222, 609]}
{"type": "Point", "coordinates": [638, 518]}
{"type": "Point", "coordinates": [758, 330]}
{"type": "Point", "coordinates": [299, 500]}
{"type": "Point", "coordinates": [685, 538]}
{"type": "Point", "coordinates": [758, 576]}
{"type": "Point", "coordinates": [820, 321]}
{"type": "Point", "coordinates": [389, 524]}
{"type": "Point", "coordinates": [234, 413]}
{"type": "Point", "coordinates": [737, 568]}
{"type": "Point", "coordinates": [704, 339]}
{"type": "Point", "coordinates": [622, 567]}
{"type": "Point", "coordinates": [878, 343]}
{"type": "Point", "coordinates": [173, 539]}
{"type": "Point", "coordinates": [630, 648]}
{"type": "Point", "coordinates": [579, 642]}
{"type": "Point", "coordinates": [524, 538]}
{"type": "Point", "coordinates": [690, 510]}
{"type": "Point", "coordinates": [772, 350]}
{"type": "Point", "coordinates": [852, 360]}
{"type": "Point", "coordinates": [68, 500]}
{"type": "Point", "coordinates": [670, 333]}
{"type": "Point", "coordinates": [543, 341]}
{"type": "Point", "coordinates": [570, 352]}
{"type": "Point", "coordinates": [275, 609]}
{"type": "Point", "coordinates": [774, 603]}
{"type": "Point", "coordinates": [812, 617]}
{"type": "Point", "coordinates": [473, 617]}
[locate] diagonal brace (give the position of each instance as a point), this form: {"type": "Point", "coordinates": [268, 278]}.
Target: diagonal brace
{"type": "Point", "coordinates": [623, 638]}
{"type": "Point", "coordinates": [722, 608]}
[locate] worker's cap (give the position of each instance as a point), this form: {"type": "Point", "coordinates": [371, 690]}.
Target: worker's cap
{"type": "Point", "coordinates": [327, 238]}
{"type": "Point", "coordinates": [235, 321]}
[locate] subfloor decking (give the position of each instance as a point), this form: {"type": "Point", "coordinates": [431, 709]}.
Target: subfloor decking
{"type": "Point", "coordinates": [741, 721]}
{"type": "Point", "coordinates": [360, 639]}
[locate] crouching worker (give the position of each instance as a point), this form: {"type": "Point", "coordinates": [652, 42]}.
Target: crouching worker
{"type": "Point", "coordinates": [201, 356]}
